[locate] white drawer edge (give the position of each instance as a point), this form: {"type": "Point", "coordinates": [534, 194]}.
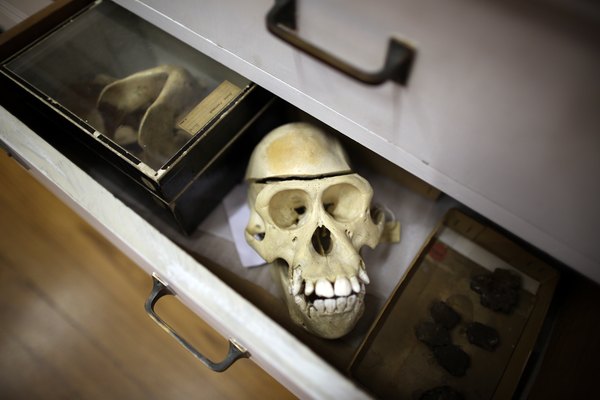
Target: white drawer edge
{"type": "Point", "coordinates": [271, 347]}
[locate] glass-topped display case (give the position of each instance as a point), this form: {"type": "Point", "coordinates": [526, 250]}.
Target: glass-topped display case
{"type": "Point", "coordinates": [152, 106]}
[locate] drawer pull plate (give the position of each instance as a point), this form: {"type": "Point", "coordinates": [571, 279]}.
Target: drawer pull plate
{"type": "Point", "coordinates": [281, 22]}
{"type": "Point", "coordinates": [235, 352]}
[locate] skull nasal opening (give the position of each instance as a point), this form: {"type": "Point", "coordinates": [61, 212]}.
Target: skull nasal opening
{"type": "Point", "coordinates": [321, 240]}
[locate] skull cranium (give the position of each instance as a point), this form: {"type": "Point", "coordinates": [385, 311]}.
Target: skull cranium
{"type": "Point", "coordinates": [311, 215]}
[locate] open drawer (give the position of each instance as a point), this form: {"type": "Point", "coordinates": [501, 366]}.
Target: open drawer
{"type": "Point", "coordinates": [203, 269]}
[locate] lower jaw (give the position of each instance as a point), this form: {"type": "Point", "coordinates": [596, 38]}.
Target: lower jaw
{"type": "Point", "coordinates": [327, 325]}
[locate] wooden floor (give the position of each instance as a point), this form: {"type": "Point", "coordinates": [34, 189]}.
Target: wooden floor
{"type": "Point", "coordinates": [72, 322]}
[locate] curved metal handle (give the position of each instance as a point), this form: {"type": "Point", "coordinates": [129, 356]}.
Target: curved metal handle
{"type": "Point", "coordinates": [281, 21]}
{"type": "Point", "coordinates": [235, 352]}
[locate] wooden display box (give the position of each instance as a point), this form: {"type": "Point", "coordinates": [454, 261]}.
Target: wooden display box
{"type": "Point", "coordinates": [110, 80]}
{"type": "Point", "coordinates": [394, 363]}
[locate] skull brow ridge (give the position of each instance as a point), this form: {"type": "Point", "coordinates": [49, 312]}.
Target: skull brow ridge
{"type": "Point", "coordinates": [302, 178]}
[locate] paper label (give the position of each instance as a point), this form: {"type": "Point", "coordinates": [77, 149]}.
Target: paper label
{"type": "Point", "coordinates": [210, 106]}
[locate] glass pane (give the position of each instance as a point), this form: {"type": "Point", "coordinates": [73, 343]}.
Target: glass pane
{"type": "Point", "coordinates": [140, 87]}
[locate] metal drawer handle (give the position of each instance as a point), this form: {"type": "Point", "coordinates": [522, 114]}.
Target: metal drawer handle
{"type": "Point", "coordinates": [235, 352]}
{"type": "Point", "coordinates": [281, 21]}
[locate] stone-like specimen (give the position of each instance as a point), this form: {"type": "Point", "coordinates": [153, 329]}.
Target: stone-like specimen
{"type": "Point", "coordinates": [444, 315]}
{"type": "Point", "coordinates": [453, 359]}
{"type": "Point", "coordinates": [483, 336]}
{"type": "Point", "coordinates": [499, 290]}
{"type": "Point", "coordinates": [432, 334]}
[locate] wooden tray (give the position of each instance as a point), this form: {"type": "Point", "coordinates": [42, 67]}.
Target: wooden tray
{"type": "Point", "coordinates": [393, 363]}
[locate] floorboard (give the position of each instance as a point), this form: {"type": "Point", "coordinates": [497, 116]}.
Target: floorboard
{"type": "Point", "coordinates": [72, 323]}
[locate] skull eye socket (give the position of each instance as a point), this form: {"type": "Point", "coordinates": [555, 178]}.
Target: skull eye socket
{"type": "Point", "coordinates": [343, 202]}
{"type": "Point", "coordinates": [289, 208]}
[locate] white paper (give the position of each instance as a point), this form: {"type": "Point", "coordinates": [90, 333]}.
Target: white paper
{"type": "Point", "coordinates": [238, 214]}
{"type": "Point", "coordinates": [216, 223]}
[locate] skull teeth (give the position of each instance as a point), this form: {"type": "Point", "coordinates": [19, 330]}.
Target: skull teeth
{"type": "Point", "coordinates": [300, 301]}
{"type": "Point", "coordinates": [362, 275]}
{"type": "Point", "coordinates": [325, 297]}
{"type": "Point", "coordinates": [296, 282]}
{"type": "Point", "coordinates": [351, 301]}
{"type": "Point", "coordinates": [309, 288]}
{"type": "Point", "coordinates": [319, 305]}
{"type": "Point", "coordinates": [330, 306]}
{"type": "Point", "coordinates": [324, 288]}
{"type": "Point", "coordinates": [342, 286]}
{"type": "Point", "coordinates": [355, 284]}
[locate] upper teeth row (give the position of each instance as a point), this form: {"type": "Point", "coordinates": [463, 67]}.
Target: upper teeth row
{"type": "Point", "coordinates": [342, 286]}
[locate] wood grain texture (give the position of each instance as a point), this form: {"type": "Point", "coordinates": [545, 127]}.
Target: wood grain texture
{"type": "Point", "coordinates": [72, 323]}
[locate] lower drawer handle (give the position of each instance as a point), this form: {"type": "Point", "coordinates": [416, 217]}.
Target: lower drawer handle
{"type": "Point", "coordinates": [236, 351]}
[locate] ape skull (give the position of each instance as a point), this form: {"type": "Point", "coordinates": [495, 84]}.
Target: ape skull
{"type": "Point", "coordinates": [310, 216]}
